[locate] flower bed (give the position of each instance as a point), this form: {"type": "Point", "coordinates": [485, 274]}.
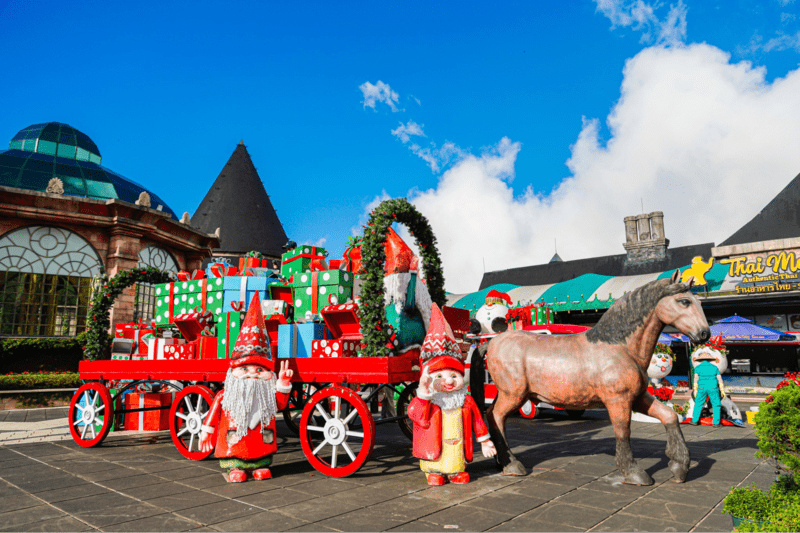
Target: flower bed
{"type": "Point", "coordinates": [39, 380]}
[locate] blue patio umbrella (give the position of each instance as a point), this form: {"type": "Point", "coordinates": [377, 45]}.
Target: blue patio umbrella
{"type": "Point", "coordinates": [737, 328]}
{"type": "Point", "coordinates": [663, 338]}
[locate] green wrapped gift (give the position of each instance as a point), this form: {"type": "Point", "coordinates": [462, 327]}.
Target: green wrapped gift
{"type": "Point", "coordinates": [227, 332]}
{"type": "Point", "coordinates": [299, 259]}
{"type": "Point", "coordinates": [183, 296]}
{"type": "Point", "coordinates": [314, 290]}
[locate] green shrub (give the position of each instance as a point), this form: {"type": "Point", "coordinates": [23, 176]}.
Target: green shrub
{"type": "Point", "coordinates": [40, 380]}
{"type": "Point", "coordinates": [47, 354]}
{"type": "Point", "coordinates": [778, 430]}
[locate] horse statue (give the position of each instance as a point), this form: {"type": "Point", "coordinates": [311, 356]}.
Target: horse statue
{"type": "Point", "coordinates": [605, 366]}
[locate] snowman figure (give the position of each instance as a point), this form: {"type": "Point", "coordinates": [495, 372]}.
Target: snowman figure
{"type": "Point", "coordinates": [491, 317]}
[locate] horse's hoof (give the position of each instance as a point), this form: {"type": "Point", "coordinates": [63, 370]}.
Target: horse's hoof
{"type": "Point", "coordinates": [638, 478]}
{"type": "Point", "coordinates": [679, 471]}
{"type": "Point", "coordinates": [514, 468]}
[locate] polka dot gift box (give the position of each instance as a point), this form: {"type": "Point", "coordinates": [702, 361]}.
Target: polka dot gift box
{"type": "Point", "coordinates": [183, 297]}
{"type": "Point", "coordinates": [314, 290]}
{"type": "Point", "coordinates": [299, 259]}
{"type": "Point", "coordinates": [333, 348]}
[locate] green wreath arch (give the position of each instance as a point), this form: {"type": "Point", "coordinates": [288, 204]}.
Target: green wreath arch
{"type": "Point", "coordinates": [98, 343]}
{"type": "Point", "coordinates": [373, 257]}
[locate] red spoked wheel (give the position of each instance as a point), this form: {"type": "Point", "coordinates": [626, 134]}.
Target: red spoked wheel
{"type": "Point", "coordinates": [337, 431]}
{"type": "Point", "coordinates": [528, 410]}
{"type": "Point", "coordinates": [90, 414]}
{"type": "Point", "coordinates": [186, 416]}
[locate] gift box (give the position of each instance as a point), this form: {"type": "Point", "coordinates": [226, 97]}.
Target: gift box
{"type": "Point", "coordinates": [352, 256]}
{"type": "Point", "coordinates": [458, 319]}
{"type": "Point", "coordinates": [275, 307]}
{"type": "Point", "coordinates": [184, 351]}
{"type": "Point", "coordinates": [156, 420]}
{"type": "Point", "coordinates": [334, 348]}
{"type": "Point", "coordinates": [133, 331]}
{"type": "Point", "coordinates": [252, 262]}
{"type": "Point", "coordinates": [193, 323]}
{"type": "Point", "coordinates": [206, 346]}
{"type": "Point", "coordinates": [314, 290]}
{"type": "Point", "coordinates": [227, 332]}
{"type": "Point", "coordinates": [342, 321]}
{"type": "Point", "coordinates": [541, 315]}
{"type": "Point", "coordinates": [272, 323]}
{"type": "Point", "coordinates": [294, 340]}
{"type": "Point", "coordinates": [183, 275]}
{"type": "Point", "coordinates": [220, 270]}
{"type": "Point", "coordinates": [280, 290]}
{"type": "Point", "coordinates": [140, 357]}
{"type": "Point", "coordinates": [155, 347]}
{"type": "Point", "coordinates": [120, 357]}
{"type": "Point", "coordinates": [240, 290]}
{"type": "Point", "coordinates": [299, 259]}
{"type": "Point", "coordinates": [182, 297]}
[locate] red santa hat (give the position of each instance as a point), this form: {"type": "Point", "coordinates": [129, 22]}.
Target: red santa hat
{"type": "Point", "coordinates": [497, 297]}
{"type": "Point", "coordinates": [399, 257]}
{"type": "Point", "coordinates": [252, 346]}
{"type": "Point", "coordinates": [440, 350]}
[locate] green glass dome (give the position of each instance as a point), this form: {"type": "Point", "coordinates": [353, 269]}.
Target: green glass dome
{"type": "Point", "coordinates": [50, 150]}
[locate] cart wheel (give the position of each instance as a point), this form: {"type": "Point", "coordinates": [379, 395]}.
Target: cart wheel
{"type": "Point", "coordinates": [407, 394]}
{"type": "Point", "coordinates": [90, 414]}
{"type": "Point", "coordinates": [186, 416]}
{"type": "Point", "coordinates": [348, 427]}
{"type": "Point", "coordinates": [575, 413]}
{"type": "Point", "coordinates": [298, 399]}
{"type": "Point", "coordinates": [528, 410]}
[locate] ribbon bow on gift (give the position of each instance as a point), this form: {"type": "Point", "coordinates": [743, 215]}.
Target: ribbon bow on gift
{"type": "Point", "coordinates": [220, 270]}
{"type": "Point", "coordinates": [194, 274]}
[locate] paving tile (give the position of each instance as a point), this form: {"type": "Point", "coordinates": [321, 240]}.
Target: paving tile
{"type": "Point", "coordinates": [570, 479]}
{"type": "Point", "coordinates": [367, 495]}
{"type": "Point", "coordinates": [50, 483]}
{"type": "Point", "coordinates": [629, 522]}
{"type": "Point", "coordinates": [162, 466]}
{"type": "Point", "coordinates": [214, 513]}
{"type": "Point", "coordinates": [84, 466]}
{"type": "Point", "coordinates": [61, 523]}
{"type": "Point", "coordinates": [416, 525]}
{"type": "Point", "coordinates": [682, 493]}
{"type": "Point", "coordinates": [325, 486]}
{"type": "Point", "coordinates": [177, 474]}
{"type": "Point", "coordinates": [237, 490]}
{"type": "Point", "coordinates": [150, 492]}
{"type": "Point", "coordinates": [311, 528]}
{"type": "Point", "coordinates": [263, 521]}
{"type": "Point", "coordinates": [185, 500]}
{"type": "Point", "coordinates": [277, 498]}
{"type": "Point", "coordinates": [361, 521]}
{"type": "Point", "coordinates": [93, 503]}
{"type": "Point", "coordinates": [117, 472]}
{"type": "Point", "coordinates": [319, 508]}
{"type": "Point", "coordinates": [13, 520]}
{"type": "Point", "coordinates": [659, 509]}
{"type": "Point", "coordinates": [406, 508]}
{"type": "Point", "coordinates": [505, 501]}
{"type": "Point", "coordinates": [529, 523]}
{"type": "Point", "coordinates": [161, 522]}
{"type": "Point", "coordinates": [17, 501]}
{"type": "Point", "coordinates": [596, 469]}
{"type": "Point", "coordinates": [468, 518]}
{"type": "Point", "coordinates": [609, 502]}
{"type": "Point", "coordinates": [568, 514]}
{"type": "Point", "coordinates": [72, 493]}
{"type": "Point", "coordinates": [101, 518]}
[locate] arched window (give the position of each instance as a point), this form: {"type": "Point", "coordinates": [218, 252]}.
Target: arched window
{"type": "Point", "coordinates": [45, 281]}
{"type": "Point", "coordinates": [145, 302]}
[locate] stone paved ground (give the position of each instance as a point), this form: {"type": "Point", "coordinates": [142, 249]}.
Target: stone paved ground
{"type": "Point", "coordinates": [138, 482]}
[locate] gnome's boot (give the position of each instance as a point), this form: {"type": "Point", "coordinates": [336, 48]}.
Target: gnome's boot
{"type": "Point", "coordinates": [262, 473]}
{"type": "Point", "coordinates": [460, 478]}
{"type": "Point", "coordinates": [237, 476]}
{"type": "Point", "coordinates": [435, 479]}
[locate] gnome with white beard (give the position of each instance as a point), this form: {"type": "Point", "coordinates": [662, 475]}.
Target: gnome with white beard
{"type": "Point", "coordinates": [406, 297]}
{"type": "Point", "coordinates": [445, 417]}
{"type": "Point", "coordinates": [243, 413]}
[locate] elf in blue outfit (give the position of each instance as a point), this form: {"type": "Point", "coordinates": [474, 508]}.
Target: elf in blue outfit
{"type": "Point", "coordinates": [707, 383]}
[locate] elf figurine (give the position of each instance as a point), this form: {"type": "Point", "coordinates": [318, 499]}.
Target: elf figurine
{"type": "Point", "coordinates": [444, 415]}
{"type": "Point", "coordinates": [243, 413]}
{"type": "Point", "coordinates": [707, 383]}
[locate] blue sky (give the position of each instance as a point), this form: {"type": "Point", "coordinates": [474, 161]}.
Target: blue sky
{"type": "Point", "coordinates": [557, 118]}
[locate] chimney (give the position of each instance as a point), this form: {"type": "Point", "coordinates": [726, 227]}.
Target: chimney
{"type": "Point", "coordinates": [644, 236]}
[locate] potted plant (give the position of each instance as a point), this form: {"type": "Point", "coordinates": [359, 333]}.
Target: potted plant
{"type": "Point", "coordinates": [778, 431]}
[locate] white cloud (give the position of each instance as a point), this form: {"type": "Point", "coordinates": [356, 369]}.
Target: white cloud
{"type": "Point", "coordinates": [707, 142]}
{"type": "Point", "coordinates": [641, 16]}
{"type": "Point", "coordinates": [780, 42]}
{"type": "Point", "coordinates": [404, 132]}
{"type": "Point", "coordinates": [380, 92]}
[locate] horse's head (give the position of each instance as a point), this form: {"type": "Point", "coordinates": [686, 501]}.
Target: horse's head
{"type": "Point", "coordinates": [681, 309]}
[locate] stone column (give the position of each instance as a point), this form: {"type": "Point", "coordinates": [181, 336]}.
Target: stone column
{"type": "Point", "coordinates": [630, 230]}
{"type": "Point", "coordinates": [123, 254]}
{"type": "Point", "coordinates": [643, 224]}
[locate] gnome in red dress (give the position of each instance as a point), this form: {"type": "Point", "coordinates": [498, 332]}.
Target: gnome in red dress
{"type": "Point", "coordinates": [444, 415]}
{"type": "Point", "coordinates": [243, 413]}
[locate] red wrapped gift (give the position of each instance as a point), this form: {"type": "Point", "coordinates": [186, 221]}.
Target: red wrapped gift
{"type": "Point", "coordinates": [156, 420]}
{"type": "Point", "coordinates": [133, 331]}
{"type": "Point", "coordinates": [192, 324]}
{"type": "Point", "coordinates": [334, 348]}
{"type": "Point", "coordinates": [206, 346]}
{"type": "Point", "coordinates": [252, 262]}
{"type": "Point", "coordinates": [352, 255]}
{"type": "Point", "coordinates": [156, 347]}
{"type": "Point", "coordinates": [336, 264]}
{"type": "Point", "coordinates": [220, 270]}
{"type": "Point", "coordinates": [318, 265]}
{"type": "Point", "coordinates": [194, 274]}
{"type": "Point", "coordinates": [272, 323]}
{"type": "Point", "coordinates": [173, 352]}
{"type": "Point", "coordinates": [342, 321]}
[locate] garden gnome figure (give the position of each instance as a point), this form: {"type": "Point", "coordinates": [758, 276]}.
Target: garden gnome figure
{"type": "Point", "coordinates": [707, 383]}
{"type": "Point", "coordinates": [243, 413]}
{"type": "Point", "coordinates": [444, 415]}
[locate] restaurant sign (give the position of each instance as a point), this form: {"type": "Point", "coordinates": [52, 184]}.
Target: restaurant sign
{"type": "Point", "coordinates": [761, 273]}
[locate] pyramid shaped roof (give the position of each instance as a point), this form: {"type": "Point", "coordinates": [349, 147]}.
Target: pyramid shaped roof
{"type": "Point", "coordinates": [780, 219]}
{"type": "Point", "coordinates": [238, 204]}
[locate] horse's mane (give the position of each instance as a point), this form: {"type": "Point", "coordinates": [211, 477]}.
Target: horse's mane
{"type": "Point", "coordinates": [629, 312]}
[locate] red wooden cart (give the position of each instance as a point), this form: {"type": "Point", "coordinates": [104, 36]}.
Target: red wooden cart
{"type": "Point", "coordinates": [336, 427]}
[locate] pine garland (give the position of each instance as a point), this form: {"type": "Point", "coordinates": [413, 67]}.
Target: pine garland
{"type": "Point", "coordinates": [371, 312]}
{"type": "Point", "coordinates": [98, 342]}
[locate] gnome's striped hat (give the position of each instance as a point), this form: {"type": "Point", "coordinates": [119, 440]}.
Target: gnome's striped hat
{"type": "Point", "coordinates": [252, 346]}
{"type": "Point", "coordinates": [440, 350]}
